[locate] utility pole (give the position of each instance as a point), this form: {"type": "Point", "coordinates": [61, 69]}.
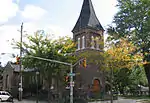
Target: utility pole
{"type": "Point", "coordinates": [20, 84]}
{"type": "Point", "coordinates": [71, 84]}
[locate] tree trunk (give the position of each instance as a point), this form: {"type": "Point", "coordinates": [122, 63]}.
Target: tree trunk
{"type": "Point", "coordinates": [49, 101]}
{"type": "Point", "coordinates": [147, 71]}
{"type": "Point", "coordinates": [60, 89]}
{"type": "Point", "coordinates": [49, 90]}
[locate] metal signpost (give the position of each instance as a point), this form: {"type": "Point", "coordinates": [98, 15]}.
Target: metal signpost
{"type": "Point", "coordinates": [71, 86]}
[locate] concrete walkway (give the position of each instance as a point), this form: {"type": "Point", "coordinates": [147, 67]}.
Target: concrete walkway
{"type": "Point", "coordinates": [120, 100]}
{"type": "Point", "coordinates": [117, 101]}
{"type": "Point", "coordinates": [26, 101]}
{"type": "Point", "coordinates": [123, 100]}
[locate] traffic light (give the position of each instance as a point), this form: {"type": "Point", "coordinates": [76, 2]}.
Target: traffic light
{"type": "Point", "coordinates": [67, 78]}
{"type": "Point", "coordinates": [84, 63]}
{"type": "Point", "coordinates": [17, 60]}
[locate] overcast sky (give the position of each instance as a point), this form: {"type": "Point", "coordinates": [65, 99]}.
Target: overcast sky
{"type": "Point", "coordinates": [54, 16]}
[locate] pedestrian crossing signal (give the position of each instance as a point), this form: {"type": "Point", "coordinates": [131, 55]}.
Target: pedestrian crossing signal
{"type": "Point", "coordinates": [67, 78]}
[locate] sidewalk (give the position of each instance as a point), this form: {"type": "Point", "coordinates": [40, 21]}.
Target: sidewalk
{"type": "Point", "coordinates": [27, 101]}
{"type": "Point", "coordinates": [120, 100]}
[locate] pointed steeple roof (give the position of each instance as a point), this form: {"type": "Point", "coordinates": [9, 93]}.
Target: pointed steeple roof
{"type": "Point", "coordinates": [87, 18]}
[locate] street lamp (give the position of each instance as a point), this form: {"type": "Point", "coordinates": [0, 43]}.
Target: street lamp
{"type": "Point", "coordinates": [37, 73]}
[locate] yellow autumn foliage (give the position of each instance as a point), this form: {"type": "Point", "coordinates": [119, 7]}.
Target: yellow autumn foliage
{"type": "Point", "coordinates": [121, 55]}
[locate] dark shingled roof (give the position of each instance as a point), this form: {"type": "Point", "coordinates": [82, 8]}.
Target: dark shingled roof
{"type": "Point", "coordinates": [87, 18]}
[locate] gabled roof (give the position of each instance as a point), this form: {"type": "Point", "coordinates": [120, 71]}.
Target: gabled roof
{"type": "Point", "coordinates": [16, 68]}
{"type": "Point", "coordinates": [87, 18]}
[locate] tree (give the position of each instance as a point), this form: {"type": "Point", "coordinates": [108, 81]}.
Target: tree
{"type": "Point", "coordinates": [133, 22]}
{"type": "Point", "coordinates": [127, 80]}
{"type": "Point", "coordinates": [39, 45]}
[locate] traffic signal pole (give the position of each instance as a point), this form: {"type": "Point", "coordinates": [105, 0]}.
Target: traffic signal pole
{"type": "Point", "coordinates": [71, 72]}
{"type": "Point", "coordinates": [71, 84]}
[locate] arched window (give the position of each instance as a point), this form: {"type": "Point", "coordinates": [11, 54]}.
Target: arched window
{"type": "Point", "coordinates": [6, 82]}
{"type": "Point", "coordinates": [97, 43]}
{"type": "Point", "coordinates": [78, 43]}
{"type": "Point", "coordinates": [92, 42]}
{"type": "Point", "coordinates": [83, 42]}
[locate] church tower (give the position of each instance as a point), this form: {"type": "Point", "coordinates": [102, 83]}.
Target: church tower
{"type": "Point", "coordinates": [87, 28]}
{"type": "Point", "coordinates": [88, 33]}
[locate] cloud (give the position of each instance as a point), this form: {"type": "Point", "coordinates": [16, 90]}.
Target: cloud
{"type": "Point", "coordinates": [57, 31]}
{"type": "Point", "coordinates": [9, 32]}
{"type": "Point", "coordinates": [105, 10]}
{"type": "Point", "coordinates": [33, 12]}
{"type": "Point", "coordinates": [17, 1]}
{"type": "Point", "coordinates": [8, 9]}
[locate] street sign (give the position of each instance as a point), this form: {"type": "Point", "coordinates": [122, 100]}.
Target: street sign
{"type": "Point", "coordinates": [72, 84]}
{"type": "Point", "coordinates": [72, 74]}
{"type": "Point", "coordinates": [20, 89]}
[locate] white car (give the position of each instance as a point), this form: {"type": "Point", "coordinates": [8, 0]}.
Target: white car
{"type": "Point", "coordinates": [5, 96]}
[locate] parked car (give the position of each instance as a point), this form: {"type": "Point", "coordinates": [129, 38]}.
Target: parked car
{"type": "Point", "coordinates": [5, 96]}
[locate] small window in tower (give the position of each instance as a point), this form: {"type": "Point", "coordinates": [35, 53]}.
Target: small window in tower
{"type": "Point", "coordinates": [78, 43]}
{"type": "Point", "coordinates": [97, 43]}
{"type": "Point", "coordinates": [92, 42]}
{"type": "Point", "coordinates": [83, 42]}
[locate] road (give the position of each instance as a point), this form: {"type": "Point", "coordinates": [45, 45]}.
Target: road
{"type": "Point", "coordinates": [115, 101]}
{"type": "Point", "coordinates": [26, 101]}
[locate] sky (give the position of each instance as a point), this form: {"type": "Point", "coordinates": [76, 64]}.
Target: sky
{"type": "Point", "coordinates": [56, 17]}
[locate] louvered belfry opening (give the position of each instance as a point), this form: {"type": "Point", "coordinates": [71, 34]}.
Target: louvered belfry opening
{"type": "Point", "coordinates": [87, 27]}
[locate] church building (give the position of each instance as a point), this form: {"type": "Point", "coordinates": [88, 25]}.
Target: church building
{"type": "Point", "coordinates": [85, 33]}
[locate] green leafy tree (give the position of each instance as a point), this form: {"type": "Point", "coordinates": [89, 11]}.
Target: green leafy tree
{"type": "Point", "coordinates": [133, 22]}
{"type": "Point", "coordinates": [127, 80]}
{"type": "Point", "coordinates": [41, 45]}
